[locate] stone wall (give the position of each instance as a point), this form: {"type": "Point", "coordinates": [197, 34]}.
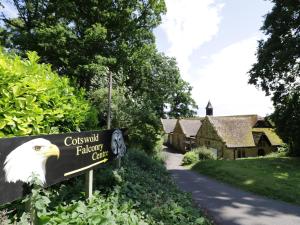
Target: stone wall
{"type": "Point", "coordinates": [207, 136]}
{"type": "Point", "coordinates": [178, 138]}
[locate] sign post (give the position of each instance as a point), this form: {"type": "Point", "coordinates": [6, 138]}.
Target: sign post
{"type": "Point", "coordinates": [109, 100]}
{"type": "Point", "coordinates": [109, 110]}
{"type": "Point", "coordinates": [89, 184]}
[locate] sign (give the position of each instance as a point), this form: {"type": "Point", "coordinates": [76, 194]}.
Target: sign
{"type": "Point", "coordinates": [54, 158]}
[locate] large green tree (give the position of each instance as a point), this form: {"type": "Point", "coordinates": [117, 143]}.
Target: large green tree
{"type": "Point", "coordinates": [87, 39]}
{"type": "Point", "coordinates": [277, 70]}
{"type": "Point", "coordinates": [80, 37]}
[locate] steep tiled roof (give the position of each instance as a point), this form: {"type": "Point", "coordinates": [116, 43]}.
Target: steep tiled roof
{"type": "Point", "coordinates": [235, 131]}
{"type": "Point", "coordinates": [190, 127]}
{"type": "Point", "coordinates": [168, 125]}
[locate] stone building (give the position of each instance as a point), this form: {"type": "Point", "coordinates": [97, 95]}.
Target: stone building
{"type": "Point", "coordinates": [184, 134]}
{"type": "Point", "coordinates": [168, 126]}
{"type": "Point", "coordinates": [232, 137]}
{"type": "Point", "coordinates": [209, 109]}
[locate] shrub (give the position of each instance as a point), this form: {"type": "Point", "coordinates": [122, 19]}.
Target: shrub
{"type": "Point", "coordinates": [138, 116]}
{"type": "Point", "coordinates": [205, 153]}
{"type": "Point", "coordinates": [35, 100]}
{"type": "Point", "coordinates": [196, 154]}
{"type": "Point", "coordinates": [283, 151]}
{"type": "Point", "coordinates": [190, 157]}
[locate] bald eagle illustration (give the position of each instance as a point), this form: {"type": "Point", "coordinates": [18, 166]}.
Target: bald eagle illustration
{"type": "Point", "coordinates": [29, 159]}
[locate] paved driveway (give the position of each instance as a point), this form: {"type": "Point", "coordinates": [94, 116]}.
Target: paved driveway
{"type": "Point", "coordinates": [228, 205]}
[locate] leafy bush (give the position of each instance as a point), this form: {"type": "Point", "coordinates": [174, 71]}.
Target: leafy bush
{"type": "Point", "coordinates": [35, 100]}
{"type": "Point", "coordinates": [283, 151]}
{"type": "Point", "coordinates": [141, 192]}
{"type": "Point", "coordinates": [190, 157]}
{"type": "Point", "coordinates": [142, 121]}
{"type": "Point", "coordinates": [205, 153]}
{"type": "Point", "coordinates": [196, 154]}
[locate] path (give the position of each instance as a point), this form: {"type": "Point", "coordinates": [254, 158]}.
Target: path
{"type": "Point", "coordinates": [228, 205]}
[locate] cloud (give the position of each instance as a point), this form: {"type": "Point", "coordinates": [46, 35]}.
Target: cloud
{"type": "Point", "coordinates": [188, 24]}
{"type": "Point", "coordinates": [225, 82]}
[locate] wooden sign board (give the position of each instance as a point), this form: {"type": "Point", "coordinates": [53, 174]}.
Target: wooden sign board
{"type": "Point", "coordinates": [54, 158]}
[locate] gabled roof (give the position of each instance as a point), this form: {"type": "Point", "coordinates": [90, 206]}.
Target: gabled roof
{"type": "Point", "coordinates": [168, 125]}
{"type": "Point", "coordinates": [235, 131]}
{"type": "Point", "coordinates": [274, 139]}
{"type": "Point", "coordinates": [190, 127]}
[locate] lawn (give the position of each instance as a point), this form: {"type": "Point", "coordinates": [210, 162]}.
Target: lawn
{"type": "Point", "coordinates": [277, 178]}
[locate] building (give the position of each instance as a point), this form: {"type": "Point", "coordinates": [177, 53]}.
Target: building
{"type": "Point", "coordinates": [168, 126]}
{"type": "Point", "coordinates": [232, 137]}
{"type": "Point", "coordinates": [209, 109]}
{"type": "Point", "coordinates": [184, 134]}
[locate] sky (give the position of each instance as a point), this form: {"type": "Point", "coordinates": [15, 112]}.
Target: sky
{"type": "Point", "coordinates": [214, 42]}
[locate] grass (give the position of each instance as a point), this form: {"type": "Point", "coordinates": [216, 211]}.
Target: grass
{"type": "Point", "coordinates": [277, 178]}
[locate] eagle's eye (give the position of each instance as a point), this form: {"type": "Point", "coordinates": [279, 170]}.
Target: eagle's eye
{"type": "Point", "coordinates": [37, 148]}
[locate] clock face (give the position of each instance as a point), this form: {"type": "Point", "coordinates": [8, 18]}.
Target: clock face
{"type": "Point", "coordinates": [117, 143]}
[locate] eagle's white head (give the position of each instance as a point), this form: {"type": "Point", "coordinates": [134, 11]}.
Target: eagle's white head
{"type": "Point", "coordinates": [29, 159]}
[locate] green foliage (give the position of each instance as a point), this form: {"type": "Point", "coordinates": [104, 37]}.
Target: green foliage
{"type": "Point", "coordinates": [120, 116]}
{"type": "Point", "coordinates": [196, 154]}
{"type": "Point", "coordinates": [85, 41]}
{"type": "Point", "coordinates": [287, 120]}
{"type": "Point", "coordinates": [283, 151]}
{"type": "Point", "coordinates": [205, 153]}
{"type": "Point", "coordinates": [277, 70]}
{"type": "Point", "coordinates": [141, 192]}
{"type": "Point", "coordinates": [35, 100]}
{"type": "Point", "coordinates": [276, 178]}
{"type": "Point", "coordinates": [101, 36]}
{"type": "Point", "coordinates": [190, 157]}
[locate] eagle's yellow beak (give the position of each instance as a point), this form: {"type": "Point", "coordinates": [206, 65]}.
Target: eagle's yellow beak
{"type": "Point", "coordinates": [52, 151]}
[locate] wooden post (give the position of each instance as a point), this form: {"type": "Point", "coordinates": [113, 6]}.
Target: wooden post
{"type": "Point", "coordinates": [109, 111]}
{"type": "Point", "coordinates": [89, 184]}
{"type": "Point", "coordinates": [109, 101]}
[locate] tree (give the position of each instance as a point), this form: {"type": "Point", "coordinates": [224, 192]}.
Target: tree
{"type": "Point", "coordinates": [82, 41]}
{"type": "Point", "coordinates": [278, 66]}
{"type": "Point", "coordinates": [98, 36]}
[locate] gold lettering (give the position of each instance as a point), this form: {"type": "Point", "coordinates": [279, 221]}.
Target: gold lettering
{"type": "Point", "coordinates": [79, 149]}
{"type": "Point", "coordinates": [66, 139]}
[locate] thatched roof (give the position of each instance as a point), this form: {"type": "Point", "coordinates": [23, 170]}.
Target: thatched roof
{"type": "Point", "coordinates": [190, 127]}
{"type": "Point", "coordinates": [235, 131]}
{"type": "Point", "coordinates": [274, 139]}
{"type": "Point", "coordinates": [239, 131]}
{"type": "Point", "coordinates": [168, 125]}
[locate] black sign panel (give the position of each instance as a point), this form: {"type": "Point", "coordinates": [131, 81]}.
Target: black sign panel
{"type": "Point", "coordinates": [54, 158]}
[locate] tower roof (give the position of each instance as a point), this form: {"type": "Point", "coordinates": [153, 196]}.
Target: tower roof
{"type": "Point", "coordinates": [209, 106]}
